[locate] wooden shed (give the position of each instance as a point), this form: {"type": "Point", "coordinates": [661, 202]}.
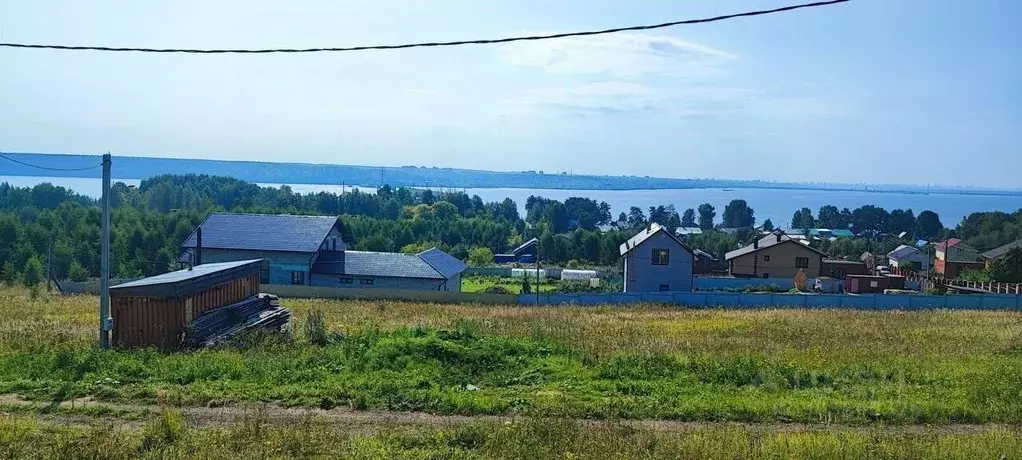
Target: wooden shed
{"type": "Point", "coordinates": [155, 311]}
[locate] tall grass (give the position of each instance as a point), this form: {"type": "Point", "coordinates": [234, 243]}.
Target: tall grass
{"type": "Point", "coordinates": [540, 439]}
{"type": "Point", "coordinates": [633, 362]}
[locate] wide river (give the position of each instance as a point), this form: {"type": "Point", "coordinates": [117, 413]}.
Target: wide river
{"type": "Point", "coordinates": [775, 204]}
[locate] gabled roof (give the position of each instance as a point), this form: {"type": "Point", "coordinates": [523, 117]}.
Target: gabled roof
{"type": "Point", "coordinates": [999, 252]}
{"type": "Point", "coordinates": [943, 245]}
{"type": "Point", "coordinates": [701, 254]}
{"type": "Point", "coordinates": [689, 231]}
{"type": "Point", "coordinates": [183, 282]}
{"type": "Point", "coordinates": [525, 245]}
{"type": "Point", "coordinates": [444, 263]}
{"type": "Point", "coordinates": [903, 252]}
{"type": "Point", "coordinates": [263, 232]}
{"type": "Point", "coordinates": [766, 242]}
{"type": "Point", "coordinates": [645, 234]}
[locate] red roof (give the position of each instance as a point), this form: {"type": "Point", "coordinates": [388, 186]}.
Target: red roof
{"type": "Point", "coordinates": [943, 245]}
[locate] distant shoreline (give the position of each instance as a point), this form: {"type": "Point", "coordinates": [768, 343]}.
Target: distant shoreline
{"type": "Point", "coordinates": [140, 168]}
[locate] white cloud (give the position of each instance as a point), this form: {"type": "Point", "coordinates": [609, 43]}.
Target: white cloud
{"type": "Point", "coordinates": [623, 55]}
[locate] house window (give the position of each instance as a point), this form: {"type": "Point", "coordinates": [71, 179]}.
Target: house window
{"type": "Point", "coordinates": [874, 284]}
{"type": "Point", "coordinates": [333, 243]}
{"type": "Point", "coordinates": [766, 258]}
{"type": "Point", "coordinates": [801, 262]}
{"type": "Point", "coordinates": [264, 272]}
{"type": "Point", "coordinates": [661, 256]}
{"type": "Point", "coordinates": [665, 287]}
{"type": "Point", "coordinates": [297, 277]}
{"type": "Point", "coordinates": [347, 281]}
{"type": "Point", "coordinates": [366, 282]}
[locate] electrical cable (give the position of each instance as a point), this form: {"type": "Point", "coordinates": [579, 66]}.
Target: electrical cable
{"type": "Point", "coordinates": [47, 167]}
{"type": "Point", "coordinates": [425, 44]}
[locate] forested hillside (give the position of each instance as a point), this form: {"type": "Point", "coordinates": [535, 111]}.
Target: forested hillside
{"type": "Point", "coordinates": [150, 222]}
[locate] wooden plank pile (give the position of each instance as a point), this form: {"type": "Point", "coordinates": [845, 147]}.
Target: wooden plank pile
{"type": "Point", "coordinates": [261, 311]}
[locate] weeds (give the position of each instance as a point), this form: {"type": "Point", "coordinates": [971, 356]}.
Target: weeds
{"type": "Point", "coordinates": [315, 328]}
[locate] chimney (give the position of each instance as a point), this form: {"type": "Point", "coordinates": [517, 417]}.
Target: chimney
{"type": "Point", "coordinates": [778, 237]}
{"type": "Point", "coordinates": [755, 244]}
{"type": "Point", "coordinates": [649, 225]}
{"type": "Point", "coordinates": [198, 246]}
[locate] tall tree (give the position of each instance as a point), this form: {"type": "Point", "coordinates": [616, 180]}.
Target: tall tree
{"type": "Point", "coordinates": [768, 225]}
{"type": "Point", "coordinates": [706, 215]}
{"type": "Point", "coordinates": [829, 217]}
{"type": "Point", "coordinates": [738, 214]}
{"type": "Point", "coordinates": [901, 220]}
{"type": "Point", "coordinates": [636, 218]}
{"type": "Point", "coordinates": [929, 225]}
{"type": "Point", "coordinates": [803, 219]}
{"type": "Point", "coordinates": [869, 220]}
{"type": "Point", "coordinates": [688, 219]}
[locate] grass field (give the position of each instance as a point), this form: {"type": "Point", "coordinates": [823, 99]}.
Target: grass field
{"type": "Point", "coordinates": [853, 368]}
{"type": "Point", "coordinates": [512, 286]}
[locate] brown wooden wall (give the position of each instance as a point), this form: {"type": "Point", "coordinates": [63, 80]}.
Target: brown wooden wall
{"type": "Point", "coordinates": [161, 322]}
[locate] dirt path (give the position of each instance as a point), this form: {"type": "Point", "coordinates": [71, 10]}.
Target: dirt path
{"type": "Point", "coordinates": [76, 412]}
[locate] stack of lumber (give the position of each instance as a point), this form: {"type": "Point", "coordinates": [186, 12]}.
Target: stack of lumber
{"type": "Point", "coordinates": [261, 311]}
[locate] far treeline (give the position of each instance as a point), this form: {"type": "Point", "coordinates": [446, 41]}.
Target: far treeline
{"type": "Point", "coordinates": [150, 222]}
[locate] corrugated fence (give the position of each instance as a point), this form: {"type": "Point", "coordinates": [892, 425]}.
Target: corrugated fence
{"type": "Point", "coordinates": [742, 300]}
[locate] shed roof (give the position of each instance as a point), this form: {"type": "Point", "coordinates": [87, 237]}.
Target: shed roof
{"type": "Point", "coordinates": [184, 282]}
{"type": "Point", "coordinates": [1000, 251]}
{"type": "Point", "coordinates": [766, 242]}
{"type": "Point", "coordinates": [842, 262]}
{"type": "Point", "coordinates": [430, 264]}
{"type": "Point", "coordinates": [263, 232]}
{"type": "Point", "coordinates": [645, 234]}
{"type": "Point", "coordinates": [525, 245]}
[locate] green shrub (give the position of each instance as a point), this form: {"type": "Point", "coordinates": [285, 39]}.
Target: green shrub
{"type": "Point", "coordinates": [164, 430]}
{"type": "Point", "coordinates": [315, 328]}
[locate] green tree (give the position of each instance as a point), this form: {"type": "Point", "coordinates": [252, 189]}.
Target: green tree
{"type": "Point", "coordinates": [480, 257]}
{"type": "Point", "coordinates": [1008, 269]}
{"type": "Point", "coordinates": [706, 215]}
{"type": "Point", "coordinates": [768, 225]}
{"type": "Point", "coordinates": [803, 219]}
{"type": "Point", "coordinates": [929, 225]}
{"type": "Point", "coordinates": [829, 217]}
{"type": "Point", "coordinates": [77, 272]}
{"type": "Point", "coordinates": [8, 274]}
{"type": "Point", "coordinates": [526, 287]}
{"type": "Point", "coordinates": [33, 274]}
{"type": "Point", "coordinates": [377, 243]}
{"type": "Point", "coordinates": [738, 214]}
{"type": "Point", "coordinates": [688, 218]}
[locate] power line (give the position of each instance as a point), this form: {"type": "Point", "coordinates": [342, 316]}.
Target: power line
{"type": "Point", "coordinates": [47, 167]}
{"type": "Point", "coordinates": [425, 44]}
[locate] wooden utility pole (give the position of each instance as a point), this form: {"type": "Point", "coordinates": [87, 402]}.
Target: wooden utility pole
{"type": "Point", "coordinates": [105, 322]}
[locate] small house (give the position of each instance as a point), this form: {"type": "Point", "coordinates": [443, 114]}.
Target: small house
{"type": "Point", "coordinates": [431, 270]}
{"type": "Point", "coordinates": [526, 253]}
{"type": "Point", "coordinates": [155, 311]}
{"type": "Point", "coordinates": [838, 269]}
{"type": "Point", "coordinates": [775, 256]}
{"type": "Point", "coordinates": [998, 253]}
{"type": "Point", "coordinates": [905, 256]}
{"type": "Point", "coordinates": [656, 260]}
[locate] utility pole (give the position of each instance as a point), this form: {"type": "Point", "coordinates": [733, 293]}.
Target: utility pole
{"type": "Point", "coordinates": [49, 265]}
{"type": "Point", "coordinates": [104, 261]}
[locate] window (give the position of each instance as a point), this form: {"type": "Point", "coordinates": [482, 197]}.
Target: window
{"type": "Point", "coordinates": [801, 262]}
{"type": "Point", "coordinates": [333, 242]}
{"type": "Point", "coordinates": [264, 272]}
{"type": "Point", "coordinates": [366, 282]}
{"type": "Point", "coordinates": [665, 287]}
{"type": "Point", "coordinates": [874, 284]}
{"type": "Point", "coordinates": [297, 277]}
{"type": "Point", "coordinates": [766, 258]}
{"type": "Point", "coordinates": [347, 281]}
{"type": "Point", "coordinates": [661, 256]}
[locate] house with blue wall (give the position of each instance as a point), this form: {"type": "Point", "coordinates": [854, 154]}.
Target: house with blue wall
{"type": "Point", "coordinates": [657, 261]}
{"type": "Point", "coordinates": [312, 250]}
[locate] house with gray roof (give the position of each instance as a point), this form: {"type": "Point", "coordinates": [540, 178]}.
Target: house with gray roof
{"type": "Point", "coordinates": [999, 252]}
{"type": "Point", "coordinates": [311, 250]}
{"type": "Point", "coordinates": [905, 255]}
{"type": "Point", "coordinates": [656, 260]}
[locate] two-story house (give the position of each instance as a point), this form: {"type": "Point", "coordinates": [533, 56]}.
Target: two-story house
{"type": "Point", "coordinates": [775, 256]}
{"type": "Point", "coordinates": [955, 256]}
{"type": "Point", "coordinates": [656, 260]}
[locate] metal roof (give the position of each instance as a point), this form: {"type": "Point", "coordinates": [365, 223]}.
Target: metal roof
{"type": "Point", "coordinates": [644, 234]}
{"type": "Point", "coordinates": [766, 242]}
{"type": "Point", "coordinates": [446, 264]}
{"type": "Point", "coordinates": [902, 252]}
{"type": "Point", "coordinates": [943, 245]}
{"type": "Point", "coordinates": [183, 282]}
{"type": "Point", "coordinates": [842, 262]}
{"type": "Point", "coordinates": [264, 232]}
{"type": "Point", "coordinates": [689, 231]}
{"type": "Point", "coordinates": [525, 245]}
{"type": "Point", "coordinates": [999, 252]}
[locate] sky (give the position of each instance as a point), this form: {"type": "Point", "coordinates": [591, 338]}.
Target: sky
{"type": "Point", "coordinates": [870, 91]}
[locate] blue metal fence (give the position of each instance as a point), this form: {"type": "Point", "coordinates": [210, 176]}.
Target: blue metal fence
{"type": "Point", "coordinates": [768, 300]}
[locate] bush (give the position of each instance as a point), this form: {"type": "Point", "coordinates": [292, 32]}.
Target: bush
{"type": "Point", "coordinates": [315, 328]}
{"type": "Point", "coordinates": [526, 287]}
{"type": "Point", "coordinates": [163, 430]}
{"type": "Point", "coordinates": [576, 286]}
{"type": "Point", "coordinates": [480, 257]}
{"type": "Point", "coordinates": [77, 272]}
{"type": "Point", "coordinates": [572, 265]}
{"type": "Point", "coordinates": [497, 290]}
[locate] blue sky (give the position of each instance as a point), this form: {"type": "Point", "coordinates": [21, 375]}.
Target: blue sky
{"type": "Point", "coordinates": [872, 91]}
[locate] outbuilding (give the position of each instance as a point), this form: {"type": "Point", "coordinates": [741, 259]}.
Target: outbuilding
{"type": "Point", "coordinates": [155, 311]}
